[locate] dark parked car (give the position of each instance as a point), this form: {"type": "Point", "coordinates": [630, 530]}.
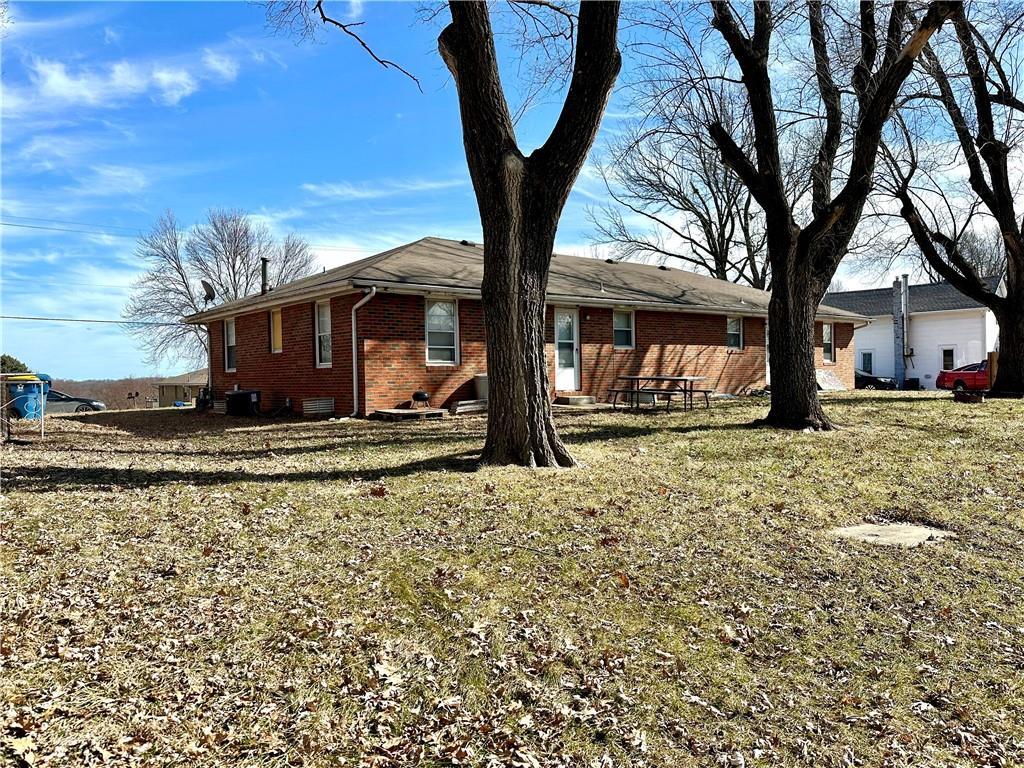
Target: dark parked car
{"type": "Point", "coordinates": [865, 380]}
{"type": "Point", "coordinates": [973, 377]}
{"type": "Point", "coordinates": [58, 402]}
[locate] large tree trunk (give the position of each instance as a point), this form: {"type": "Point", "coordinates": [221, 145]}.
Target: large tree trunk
{"type": "Point", "coordinates": [520, 201]}
{"type": "Point", "coordinates": [794, 386]}
{"type": "Point", "coordinates": [519, 241]}
{"type": "Point", "coordinates": [803, 260]}
{"type": "Point", "coordinates": [1010, 371]}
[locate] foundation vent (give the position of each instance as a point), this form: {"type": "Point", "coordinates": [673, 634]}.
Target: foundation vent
{"type": "Point", "coordinates": [318, 406]}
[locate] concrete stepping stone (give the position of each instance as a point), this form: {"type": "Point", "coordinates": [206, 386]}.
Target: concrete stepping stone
{"type": "Point", "coordinates": [893, 534]}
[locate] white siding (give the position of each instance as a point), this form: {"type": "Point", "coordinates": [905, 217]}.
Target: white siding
{"type": "Point", "coordinates": [876, 338]}
{"type": "Point", "coordinates": [991, 331]}
{"type": "Point", "coordinates": [972, 333]}
{"type": "Point", "coordinates": [930, 332]}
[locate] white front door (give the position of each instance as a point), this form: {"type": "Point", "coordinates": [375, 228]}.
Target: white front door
{"type": "Point", "coordinates": [567, 350]}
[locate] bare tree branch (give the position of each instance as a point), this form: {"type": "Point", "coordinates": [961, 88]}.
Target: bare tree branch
{"type": "Point", "coordinates": [227, 251]}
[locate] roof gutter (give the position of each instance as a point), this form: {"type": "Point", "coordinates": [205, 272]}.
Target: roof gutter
{"type": "Point", "coordinates": [585, 301]}
{"type": "Point", "coordinates": [270, 300]}
{"type": "Point", "coordinates": [355, 351]}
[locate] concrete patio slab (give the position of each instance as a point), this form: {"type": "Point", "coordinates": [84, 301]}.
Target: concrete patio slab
{"type": "Point", "coordinates": [893, 534]}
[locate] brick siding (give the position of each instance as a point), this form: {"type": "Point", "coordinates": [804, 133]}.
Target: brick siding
{"type": "Point", "coordinates": [291, 373]}
{"type": "Point", "coordinates": [392, 344]}
{"type": "Point", "coordinates": [842, 341]}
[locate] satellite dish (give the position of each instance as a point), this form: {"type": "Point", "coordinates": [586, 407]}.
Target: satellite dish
{"type": "Point", "coordinates": [208, 290]}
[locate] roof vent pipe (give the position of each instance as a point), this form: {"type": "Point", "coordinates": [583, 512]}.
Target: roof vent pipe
{"type": "Point", "coordinates": [264, 261]}
{"type": "Point", "coordinates": [355, 352]}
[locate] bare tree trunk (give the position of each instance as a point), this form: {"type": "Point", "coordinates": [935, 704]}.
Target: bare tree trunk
{"type": "Point", "coordinates": [520, 429]}
{"type": "Point", "coordinates": [804, 259]}
{"type": "Point", "coordinates": [1010, 371]}
{"type": "Point", "coordinates": [989, 172]}
{"type": "Point", "coordinates": [520, 201]}
{"type": "Point", "coordinates": [791, 314]}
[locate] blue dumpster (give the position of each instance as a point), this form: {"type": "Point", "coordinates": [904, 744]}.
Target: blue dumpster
{"type": "Point", "coordinates": [25, 394]}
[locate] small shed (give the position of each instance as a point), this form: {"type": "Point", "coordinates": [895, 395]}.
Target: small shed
{"type": "Point", "coordinates": [182, 388]}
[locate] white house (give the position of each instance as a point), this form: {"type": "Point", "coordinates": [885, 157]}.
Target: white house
{"type": "Point", "coordinates": [941, 329]}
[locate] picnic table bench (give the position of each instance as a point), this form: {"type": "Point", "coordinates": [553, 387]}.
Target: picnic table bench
{"type": "Point", "coordinates": [666, 387]}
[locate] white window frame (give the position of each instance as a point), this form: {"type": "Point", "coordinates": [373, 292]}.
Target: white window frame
{"type": "Point", "coordinates": [831, 357]}
{"type": "Point", "coordinates": [943, 348]}
{"type": "Point", "coordinates": [234, 332]}
{"type": "Point", "coordinates": [426, 331]}
{"type": "Point", "coordinates": [632, 328]}
{"type": "Point", "coordinates": [867, 352]}
{"type": "Point", "coordinates": [279, 314]}
{"type": "Point", "coordinates": [739, 319]}
{"type": "Point", "coordinates": [317, 333]}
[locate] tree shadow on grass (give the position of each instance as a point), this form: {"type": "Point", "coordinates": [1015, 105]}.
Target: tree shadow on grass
{"type": "Point", "coordinates": [163, 423]}
{"type": "Point", "coordinates": [361, 441]}
{"type": "Point", "coordinates": [895, 399]}
{"type": "Point", "coordinates": [295, 438]}
{"type": "Point", "coordinates": [47, 479]}
{"type": "Point", "coordinates": [631, 431]}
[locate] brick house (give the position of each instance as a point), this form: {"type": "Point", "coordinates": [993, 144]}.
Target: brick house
{"type": "Point", "coordinates": [370, 333]}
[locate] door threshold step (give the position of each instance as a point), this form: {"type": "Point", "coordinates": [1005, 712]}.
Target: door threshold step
{"type": "Point", "coordinates": [575, 400]}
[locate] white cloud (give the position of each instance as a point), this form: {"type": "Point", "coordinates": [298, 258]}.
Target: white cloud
{"type": "Point", "coordinates": [344, 190]}
{"type": "Point", "coordinates": [111, 36]}
{"type": "Point", "coordinates": [49, 151]}
{"type": "Point", "coordinates": [174, 84]}
{"type": "Point", "coordinates": [221, 65]}
{"type": "Point", "coordinates": [110, 180]}
{"type": "Point", "coordinates": [56, 85]}
{"type": "Point", "coordinates": [355, 10]}
{"type": "Point", "coordinates": [22, 28]}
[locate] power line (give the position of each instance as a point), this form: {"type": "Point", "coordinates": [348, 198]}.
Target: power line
{"type": "Point", "coordinates": [86, 320]}
{"type": "Point", "coordinates": [63, 229]}
{"type": "Point", "coordinates": [59, 282]}
{"type": "Point", "coordinates": [76, 223]}
{"type": "Point", "coordinates": [318, 246]}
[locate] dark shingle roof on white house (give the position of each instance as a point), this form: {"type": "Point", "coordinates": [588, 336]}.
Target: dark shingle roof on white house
{"type": "Point", "coordinates": [435, 264]}
{"type": "Point", "coordinates": [927, 297]}
{"type": "Point", "coordinates": [200, 377]}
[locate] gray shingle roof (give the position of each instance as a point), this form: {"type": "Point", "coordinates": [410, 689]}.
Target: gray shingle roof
{"type": "Point", "coordinates": [928, 297]}
{"type": "Point", "coordinates": [436, 264]}
{"type": "Point", "coordinates": [198, 377]}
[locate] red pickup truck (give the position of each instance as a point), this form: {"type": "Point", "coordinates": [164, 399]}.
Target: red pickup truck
{"type": "Point", "coordinates": [973, 377]}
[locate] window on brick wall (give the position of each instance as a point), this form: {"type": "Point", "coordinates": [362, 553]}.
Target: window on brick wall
{"type": "Point", "coordinates": [828, 350]}
{"type": "Point", "coordinates": [276, 337]}
{"type": "Point", "coordinates": [230, 349]}
{"type": "Point", "coordinates": [622, 328]}
{"type": "Point", "coordinates": [734, 332]}
{"type": "Point", "coordinates": [323, 334]}
{"type": "Point", "coordinates": [442, 332]}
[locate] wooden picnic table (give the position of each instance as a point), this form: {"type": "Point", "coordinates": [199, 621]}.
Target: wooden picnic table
{"type": "Point", "coordinates": [657, 385]}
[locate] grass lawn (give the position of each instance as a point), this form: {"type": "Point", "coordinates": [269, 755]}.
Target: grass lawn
{"type": "Point", "coordinates": [182, 589]}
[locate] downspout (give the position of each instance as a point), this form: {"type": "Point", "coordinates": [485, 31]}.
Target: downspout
{"type": "Point", "coordinates": [355, 352]}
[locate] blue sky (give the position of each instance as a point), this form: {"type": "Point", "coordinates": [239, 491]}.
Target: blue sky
{"type": "Point", "coordinates": [115, 112]}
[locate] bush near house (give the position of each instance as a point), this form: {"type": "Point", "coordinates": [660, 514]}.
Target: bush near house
{"type": "Point", "coordinates": [186, 589]}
